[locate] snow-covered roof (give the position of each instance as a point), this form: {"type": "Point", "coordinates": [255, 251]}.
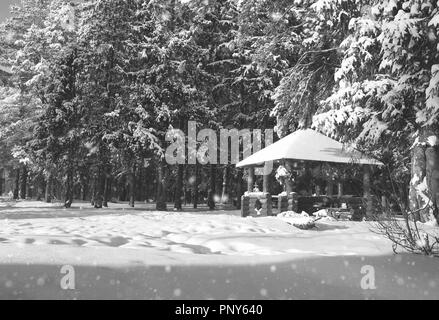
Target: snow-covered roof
{"type": "Point", "coordinates": [307, 145]}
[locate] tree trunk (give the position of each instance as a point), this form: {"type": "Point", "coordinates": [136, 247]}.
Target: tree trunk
{"type": "Point", "coordinates": [432, 170]}
{"type": "Point", "coordinates": [92, 181]}
{"type": "Point", "coordinates": [178, 188]}
{"type": "Point", "coordinates": [195, 187]}
{"type": "Point", "coordinates": [98, 198]}
{"type": "Point", "coordinates": [40, 189]}
{"type": "Point", "coordinates": [184, 182]}
{"type": "Point", "coordinates": [48, 191]}
{"type": "Point", "coordinates": [17, 184]}
{"type": "Point", "coordinates": [418, 174]}
{"type": "Point", "coordinates": [103, 169]}
{"type": "Point", "coordinates": [161, 187]}
{"type": "Point", "coordinates": [121, 188]}
{"type": "Point", "coordinates": [218, 183]}
{"type": "Point", "coordinates": [69, 187]}
{"type": "Point", "coordinates": [29, 189]}
{"type": "Point", "coordinates": [212, 186]}
{"type": "Point", "coordinates": [146, 188]}
{"type": "Point", "coordinates": [367, 191]}
{"type": "Point", "coordinates": [83, 191]}
{"type": "Point", "coordinates": [131, 187]}
{"type": "Point", "coordinates": [107, 191]}
{"type": "Point", "coordinates": [225, 191]}
{"type": "Point", "coordinates": [23, 183]}
{"type": "Point", "coordinates": [239, 192]}
{"type": "Point", "coordinates": [7, 185]}
{"type": "Point", "coordinates": [424, 183]}
{"type": "Point", "coordinates": [140, 182]}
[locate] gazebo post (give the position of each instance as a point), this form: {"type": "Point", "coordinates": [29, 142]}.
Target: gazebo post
{"type": "Point", "coordinates": [366, 189]}
{"type": "Point", "coordinates": [250, 179]}
{"type": "Point", "coordinates": [318, 193]}
{"type": "Point", "coordinates": [329, 187]}
{"type": "Point", "coordinates": [266, 190]}
{"type": "Point", "coordinates": [340, 188]}
{"type": "Point", "coordinates": [288, 185]}
{"type": "Point", "coordinates": [255, 203]}
{"type": "Point", "coordinates": [266, 183]}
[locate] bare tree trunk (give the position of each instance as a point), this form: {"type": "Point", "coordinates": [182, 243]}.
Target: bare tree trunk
{"type": "Point", "coordinates": [418, 175]}
{"type": "Point", "coordinates": [178, 188]}
{"type": "Point", "coordinates": [29, 188]}
{"type": "Point", "coordinates": [69, 187]}
{"type": "Point", "coordinates": [23, 183]}
{"type": "Point", "coordinates": [17, 184]}
{"type": "Point", "coordinates": [161, 186]}
{"type": "Point", "coordinates": [424, 183]}
{"type": "Point", "coordinates": [121, 188]}
{"type": "Point", "coordinates": [184, 182]}
{"type": "Point", "coordinates": [39, 188]}
{"type": "Point", "coordinates": [7, 185]}
{"type": "Point", "coordinates": [84, 187]}
{"type": "Point", "coordinates": [432, 171]}
{"type": "Point", "coordinates": [195, 187]}
{"type": "Point", "coordinates": [107, 191]}
{"type": "Point", "coordinates": [131, 186]}
{"type": "Point", "coordinates": [48, 191]}
{"type": "Point", "coordinates": [147, 191]}
{"type": "Point", "coordinates": [225, 191]}
{"type": "Point", "coordinates": [99, 189]}
{"type": "Point", "coordinates": [367, 191]}
{"type": "Point", "coordinates": [239, 188]}
{"type": "Point", "coordinates": [93, 180]}
{"type": "Point", "coordinates": [218, 183]}
{"type": "Point", "coordinates": [212, 186]}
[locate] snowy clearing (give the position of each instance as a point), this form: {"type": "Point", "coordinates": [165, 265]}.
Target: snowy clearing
{"type": "Point", "coordinates": [141, 254]}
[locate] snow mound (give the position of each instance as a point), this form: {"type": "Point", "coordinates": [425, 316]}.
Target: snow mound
{"type": "Point", "coordinates": [321, 213]}
{"type": "Point", "coordinates": [292, 214]}
{"type": "Point", "coordinates": [299, 220]}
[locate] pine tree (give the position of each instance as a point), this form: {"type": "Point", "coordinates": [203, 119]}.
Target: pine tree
{"type": "Point", "coordinates": [387, 96]}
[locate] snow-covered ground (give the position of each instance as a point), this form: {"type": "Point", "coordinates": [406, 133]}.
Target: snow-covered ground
{"type": "Point", "coordinates": [128, 253]}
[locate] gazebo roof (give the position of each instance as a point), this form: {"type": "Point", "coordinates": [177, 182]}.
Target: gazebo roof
{"type": "Point", "coordinates": [308, 145]}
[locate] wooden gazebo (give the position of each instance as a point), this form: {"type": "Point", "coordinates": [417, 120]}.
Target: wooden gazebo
{"type": "Point", "coordinates": [308, 145]}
